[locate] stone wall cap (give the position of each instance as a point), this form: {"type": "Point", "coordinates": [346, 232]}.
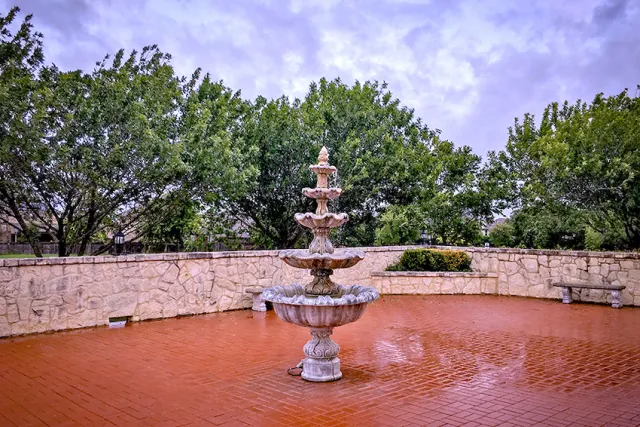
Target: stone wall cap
{"type": "Point", "coordinates": [432, 274]}
{"type": "Point", "coordinates": [106, 259]}
{"type": "Point", "coordinates": [520, 251]}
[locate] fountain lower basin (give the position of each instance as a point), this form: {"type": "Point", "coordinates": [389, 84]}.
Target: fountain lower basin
{"type": "Point", "coordinates": [321, 314]}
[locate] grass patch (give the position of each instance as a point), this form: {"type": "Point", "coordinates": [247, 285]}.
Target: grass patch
{"type": "Point", "coordinates": [28, 255]}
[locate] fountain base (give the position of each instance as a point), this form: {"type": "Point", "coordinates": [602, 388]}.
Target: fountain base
{"type": "Point", "coordinates": [321, 363]}
{"type": "Point", "coordinates": [321, 370]}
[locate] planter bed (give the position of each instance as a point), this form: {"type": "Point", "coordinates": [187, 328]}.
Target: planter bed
{"type": "Point", "coordinates": [434, 282]}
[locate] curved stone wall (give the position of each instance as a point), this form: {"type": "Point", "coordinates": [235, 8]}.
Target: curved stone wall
{"type": "Point", "coordinates": [38, 295]}
{"type": "Point", "coordinates": [434, 283]}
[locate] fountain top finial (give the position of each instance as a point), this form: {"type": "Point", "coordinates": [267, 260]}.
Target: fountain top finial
{"type": "Point", "coordinates": [323, 157]}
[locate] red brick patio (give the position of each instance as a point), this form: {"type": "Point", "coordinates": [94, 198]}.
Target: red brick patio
{"type": "Point", "coordinates": [411, 360]}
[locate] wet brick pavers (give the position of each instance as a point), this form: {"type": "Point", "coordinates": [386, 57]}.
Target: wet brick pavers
{"type": "Point", "coordinates": [411, 360]}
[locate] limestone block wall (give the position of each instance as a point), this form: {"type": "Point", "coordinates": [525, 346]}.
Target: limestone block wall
{"type": "Point", "coordinates": [531, 273]}
{"type": "Point", "coordinates": [434, 283]}
{"type": "Point", "coordinates": [38, 295]}
{"type": "Point", "coordinates": [66, 293]}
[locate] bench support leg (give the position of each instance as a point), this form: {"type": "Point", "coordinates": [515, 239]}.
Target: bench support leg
{"type": "Point", "coordinates": [566, 296]}
{"type": "Point", "coordinates": [615, 299]}
{"type": "Point", "coordinates": [258, 303]}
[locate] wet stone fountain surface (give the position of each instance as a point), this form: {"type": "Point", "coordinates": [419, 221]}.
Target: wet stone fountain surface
{"type": "Point", "coordinates": [321, 305]}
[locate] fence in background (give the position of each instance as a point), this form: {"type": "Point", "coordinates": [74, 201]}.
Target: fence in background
{"type": "Point", "coordinates": [129, 248]}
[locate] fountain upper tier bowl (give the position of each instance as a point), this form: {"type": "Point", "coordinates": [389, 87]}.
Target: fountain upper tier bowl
{"type": "Point", "coordinates": [302, 258]}
{"type": "Point", "coordinates": [325, 220]}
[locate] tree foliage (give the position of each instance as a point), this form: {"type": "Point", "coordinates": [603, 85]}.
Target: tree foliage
{"type": "Point", "coordinates": [582, 159]}
{"type": "Point", "coordinates": [102, 148]}
{"type": "Point", "coordinates": [377, 145]}
{"type": "Point", "coordinates": [400, 225]}
{"type": "Point", "coordinates": [131, 146]}
{"type": "Point", "coordinates": [21, 59]}
{"type": "Point", "coordinates": [109, 149]}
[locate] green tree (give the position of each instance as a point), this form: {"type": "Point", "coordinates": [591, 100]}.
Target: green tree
{"type": "Point", "coordinates": [400, 225]}
{"type": "Point", "coordinates": [503, 235]}
{"type": "Point", "coordinates": [582, 158]}
{"type": "Point", "coordinates": [180, 221]}
{"type": "Point", "coordinates": [377, 145]}
{"type": "Point", "coordinates": [21, 59]}
{"type": "Point", "coordinates": [214, 168]}
{"type": "Point", "coordinates": [543, 227]}
{"type": "Point", "coordinates": [278, 154]}
{"type": "Point", "coordinates": [98, 150]}
{"type": "Point", "coordinates": [455, 202]}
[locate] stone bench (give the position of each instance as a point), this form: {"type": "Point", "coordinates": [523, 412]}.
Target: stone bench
{"type": "Point", "coordinates": [567, 287]}
{"type": "Point", "coordinates": [256, 294]}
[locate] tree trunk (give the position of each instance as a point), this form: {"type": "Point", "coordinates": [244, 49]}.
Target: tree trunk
{"type": "Point", "coordinates": [36, 249]}
{"type": "Point", "coordinates": [83, 246]}
{"type": "Point", "coordinates": [62, 240]}
{"type": "Point", "coordinates": [32, 237]}
{"type": "Point", "coordinates": [34, 241]}
{"type": "Point", "coordinates": [91, 219]}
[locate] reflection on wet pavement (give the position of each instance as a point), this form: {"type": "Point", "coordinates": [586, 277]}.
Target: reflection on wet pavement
{"type": "Point", "coordinates": [411, 360]}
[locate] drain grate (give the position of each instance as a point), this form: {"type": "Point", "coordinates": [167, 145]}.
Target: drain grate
{"type": "Point", "coordinates": [119, 322]}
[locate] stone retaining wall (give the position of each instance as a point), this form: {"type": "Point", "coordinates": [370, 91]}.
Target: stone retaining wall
{"type": "Point", "coordinates": [434, 283]}
{"type": "Point", "coordinates": [38, 295]}
{"type": "Point", "coordinates": [531, 273]}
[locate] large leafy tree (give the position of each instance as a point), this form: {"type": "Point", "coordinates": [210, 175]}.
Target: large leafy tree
{"type": "Point", "coordinates": [453, 200]}
{"type": "Point", "coordinates": [277, 151]}
{"type": "Point", "coordinates": [456, 203]}
{"type": "Point", "coordinates": [21, 59]}
{"type": "Point", "coordinates": [541, 227]}
{"type": "Point", "coordinates": [215, 169]}
{"type": "Point", "coordinates": [106, 152]}
{"type": "Point", "coordinates": [376, 144]}
{"type": "Point", "coordinates": [85, 152]}
{"type": "Point", "coordinates": [583, 158]}
{"type": "Point", "coordinates": [379, 147]}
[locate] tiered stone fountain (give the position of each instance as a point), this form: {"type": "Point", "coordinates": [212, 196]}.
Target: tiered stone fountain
{"type": "Point", "coordinates": [321, 305]}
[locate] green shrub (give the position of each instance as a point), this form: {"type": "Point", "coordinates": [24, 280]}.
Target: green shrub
{"type": "Point", "coordinates": [593, 240]}
{"type": "Point", "coordinates": [432, 260]}
{"type": "Point", "coordinates": [456, 261]}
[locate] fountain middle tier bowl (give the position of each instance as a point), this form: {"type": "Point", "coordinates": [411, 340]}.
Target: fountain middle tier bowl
{"type": "Point", "coordinates": [292, 305]}
{"type": "Point", "coordinates": [326, 220]}
{"type": "Point", "coordinates": [341, 258]}
{"type": "Point", "coordinates": [322, 193]}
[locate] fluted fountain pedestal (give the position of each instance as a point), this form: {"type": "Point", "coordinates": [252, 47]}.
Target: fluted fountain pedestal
{"type": "Point", "coordinates": [321, 363]}
{"type": "Point", "coordinates": [321, 304]}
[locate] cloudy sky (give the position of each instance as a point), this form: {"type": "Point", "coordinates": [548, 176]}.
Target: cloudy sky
{"type": "Point", "coordinates": [467, 67]}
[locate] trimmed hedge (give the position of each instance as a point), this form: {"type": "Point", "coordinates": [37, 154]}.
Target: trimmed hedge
{"type": "Point", "coordinates": [432, 260]}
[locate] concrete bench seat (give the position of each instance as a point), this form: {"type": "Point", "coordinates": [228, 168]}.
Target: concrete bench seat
{"type": "Point", "coordinates": [256, 294]}
{"type": "Point", "coordinates": [615, 291]}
